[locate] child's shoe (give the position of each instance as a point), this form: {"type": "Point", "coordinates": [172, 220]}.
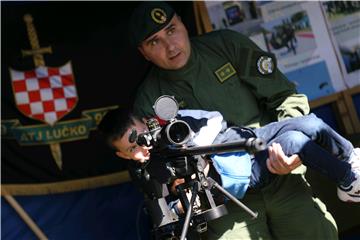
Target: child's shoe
{"type": "Point", "coordinates": [351, 193]}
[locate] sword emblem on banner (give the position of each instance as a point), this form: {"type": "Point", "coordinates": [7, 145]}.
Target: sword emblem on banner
{"type": "Point", "coordinates": [45, 93]}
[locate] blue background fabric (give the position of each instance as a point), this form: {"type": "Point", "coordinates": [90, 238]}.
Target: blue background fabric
{"type": "Point", "coordinates": [114, 212]}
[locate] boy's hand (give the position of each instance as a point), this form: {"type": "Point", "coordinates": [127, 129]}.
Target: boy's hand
{"type": "Point", "coordinates": [279, 163]}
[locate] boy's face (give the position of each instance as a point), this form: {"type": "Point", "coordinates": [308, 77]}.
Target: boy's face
{"type": "Point", "coordinates": [129, 150]}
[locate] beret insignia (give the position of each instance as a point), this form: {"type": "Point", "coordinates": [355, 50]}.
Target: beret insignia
{"type": "Point", "coordinates": [158, 15]}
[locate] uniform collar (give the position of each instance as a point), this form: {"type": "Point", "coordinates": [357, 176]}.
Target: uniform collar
{"type": "Point", "coordinates": [182, 73]}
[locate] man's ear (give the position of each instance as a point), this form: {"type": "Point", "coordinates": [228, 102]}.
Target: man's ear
{"type": "Point", "coordinates": [122, 155]}
{"type": "Point", "coordinates": [143, 53]}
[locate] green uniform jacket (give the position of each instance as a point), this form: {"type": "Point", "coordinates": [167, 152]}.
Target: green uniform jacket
{"type": "Point", "coordinates": [222, 74]}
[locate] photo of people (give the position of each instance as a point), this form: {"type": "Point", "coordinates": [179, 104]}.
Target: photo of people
{"type": "Point", "coordinates": [350, 52]}
{"type": "Point", "coordinates": [239, 16]}
{"type": "Point", "coordinates": [338, 9]}
{"type": "Point", "coordinates": [289, 36]}
{"type": "Point", "coordinates": [344, 18]}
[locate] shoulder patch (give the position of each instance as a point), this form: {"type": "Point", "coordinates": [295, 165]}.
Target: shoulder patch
{"type": "Point", "coordinates": [265, 65]}
{"type": "Point", "coordinates": [225, 72]}
{"type": "Point", "coordinates": [262, 65]}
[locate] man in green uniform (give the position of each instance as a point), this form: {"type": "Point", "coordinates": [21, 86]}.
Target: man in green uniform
{"type": "Point", "coordinates": [224, 71]}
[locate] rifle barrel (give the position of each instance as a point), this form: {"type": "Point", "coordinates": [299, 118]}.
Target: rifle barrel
{"type": "Point", "coordinates": [250, 145]}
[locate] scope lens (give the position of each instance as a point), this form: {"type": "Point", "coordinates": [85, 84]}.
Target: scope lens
{"type": "Point", "coordinates": [178, 132]}
{"type": "Point", "coordinates": [144, 140]}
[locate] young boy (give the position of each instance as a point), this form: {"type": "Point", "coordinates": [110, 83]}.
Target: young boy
{"type": "Point", "coordinates": [305, 138]}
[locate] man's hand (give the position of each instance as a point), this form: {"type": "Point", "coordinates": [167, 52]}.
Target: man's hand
{"type": "Point", "coordinates": [279, 163]}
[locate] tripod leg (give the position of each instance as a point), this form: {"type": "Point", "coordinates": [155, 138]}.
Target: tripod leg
{"type": "Point", "coordinates": [189, 212]}
{"type": "Point", "coordinates": [213, 183]}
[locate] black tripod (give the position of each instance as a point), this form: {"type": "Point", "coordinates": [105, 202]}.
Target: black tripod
{"type": "Point", "coordinates": [213, 212]}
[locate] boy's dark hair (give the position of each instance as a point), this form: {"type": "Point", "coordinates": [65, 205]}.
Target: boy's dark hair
{"type": "Point", "coordinates": [115, 124]}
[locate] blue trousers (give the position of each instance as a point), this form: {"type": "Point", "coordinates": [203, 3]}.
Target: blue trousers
{"type": "Point", "coordinates": [317, 144]}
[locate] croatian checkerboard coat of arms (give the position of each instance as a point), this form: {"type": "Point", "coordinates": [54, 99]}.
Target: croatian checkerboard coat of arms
{"type": "Point", "coordinates": [46, 94]}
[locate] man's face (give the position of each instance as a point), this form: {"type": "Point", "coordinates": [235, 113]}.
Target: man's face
{"type": "Point", "coordinates": [169, 48]}
{"type": "Point", "coordinates": [129, 150]}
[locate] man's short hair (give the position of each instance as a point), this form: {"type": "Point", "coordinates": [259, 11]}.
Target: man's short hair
{"type": "Point", "coordinates": [149, 18]}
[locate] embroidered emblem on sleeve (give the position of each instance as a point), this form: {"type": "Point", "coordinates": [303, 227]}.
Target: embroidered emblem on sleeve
{"type": "Point", "coordinates": [265, 65]}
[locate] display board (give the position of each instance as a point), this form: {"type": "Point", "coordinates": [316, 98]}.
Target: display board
{"type": "Point", "coordinates": [298, 34]}
{"type": "Point", "coordinates": [343, 18]}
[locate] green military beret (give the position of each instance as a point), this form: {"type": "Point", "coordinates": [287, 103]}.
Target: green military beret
{"type": "Point", "coordinates": [149, 18]}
